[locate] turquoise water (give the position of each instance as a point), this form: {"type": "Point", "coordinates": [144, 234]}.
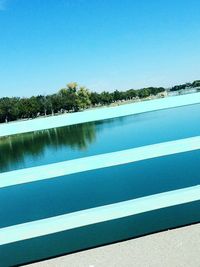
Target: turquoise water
{"type": "Point", "coordinates": [44, 199]}
{"type": "Point", "coordinates": [60, 144]}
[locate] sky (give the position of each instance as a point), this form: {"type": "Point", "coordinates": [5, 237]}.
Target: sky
{"type": "Point", "coordinates": [101, 44]}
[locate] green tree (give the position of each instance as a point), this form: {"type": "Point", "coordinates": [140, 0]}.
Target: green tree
{"type": "Point", "coordinates": [106, 98]}
{"type": "Point", "coordinates": [83, 98]}
{"type": "Point", "coordinates": [69, 97]}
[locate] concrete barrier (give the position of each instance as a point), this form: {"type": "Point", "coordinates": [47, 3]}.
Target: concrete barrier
{"type": "Point", "coordinates": [97, 215]}
{"type": "Point", "coordinates": [97, 114]}
{"type": "Point", "coordinates": [54, 170]}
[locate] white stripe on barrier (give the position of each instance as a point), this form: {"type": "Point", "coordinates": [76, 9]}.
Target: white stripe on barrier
{"type": "Point", "coordinates": [99, 161]}
{"type": "Point", "coordinates": [97, 215]}
{"type": "Point", "coordinates": [97, 114]}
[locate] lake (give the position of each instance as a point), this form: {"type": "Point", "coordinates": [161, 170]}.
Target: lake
{"type": "Point", "coordinates": [30, 202]}
{"type": "Point", "coordinates": [82, 140]}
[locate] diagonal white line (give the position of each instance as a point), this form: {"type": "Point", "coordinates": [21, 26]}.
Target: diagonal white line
{"type": "Point", "coordinates": [97, 215]}
{"type": "Point", "coordinates": [99, 161]}
{"type": "Point", "coordinates": [97, 114]}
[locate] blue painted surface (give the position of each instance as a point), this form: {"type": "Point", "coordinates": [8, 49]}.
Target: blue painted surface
{"type": "Point", "coordinates": [52, 171]}
{"type": "Point", "coordinates": [98, 215]}
{"type": "Point", "coordinates": [29, 202]}
{"type": "Point", "coordinates": [77, 192]}
{"type": "Point", "coordinates": [98, 234]}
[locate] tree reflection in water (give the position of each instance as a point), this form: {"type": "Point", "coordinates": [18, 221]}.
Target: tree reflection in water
{"type": "Point", "coordinates": [13, 149]}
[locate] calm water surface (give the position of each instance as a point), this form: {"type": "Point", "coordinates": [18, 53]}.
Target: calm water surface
{"type": "Point", "coordinates": [52, 197]}
{"type": "Point", "coordinates": [65, 143]}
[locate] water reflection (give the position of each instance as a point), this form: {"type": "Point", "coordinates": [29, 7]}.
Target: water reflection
{"type": "Point", "coordinates": [15, 148]}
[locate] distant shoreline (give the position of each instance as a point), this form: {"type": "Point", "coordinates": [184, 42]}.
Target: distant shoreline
{"type": "Point", "coordinates": [115, 104]}
{"type": "Point", "coordinates": [96, 114]}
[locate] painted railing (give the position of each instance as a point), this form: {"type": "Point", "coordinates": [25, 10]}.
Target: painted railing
{"type": "Point", "coordinates": [97, 114]}
{"type": "Point", "coordinates": [84, 222]}
{"type": "Point", "coordinates": [52, 171]}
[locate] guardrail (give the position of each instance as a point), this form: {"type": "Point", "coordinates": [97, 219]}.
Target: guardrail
{"type": "Point", "coordinates": [97, 114]}
{"type": "Point", "coordinates": [87, 217]}
{"type": "Point", "coordinates": [54, 170]}
{"type": "Point", "coordinates": [18, 239]}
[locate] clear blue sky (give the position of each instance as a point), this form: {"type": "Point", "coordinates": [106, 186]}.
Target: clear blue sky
{"type": "Point", "coordinates": [102, 44]}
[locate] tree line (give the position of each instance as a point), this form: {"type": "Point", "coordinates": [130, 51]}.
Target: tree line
{"type": "Point", "coordinates": [186, 86]}
{"type": "Point", "coordinates": [70, 99]}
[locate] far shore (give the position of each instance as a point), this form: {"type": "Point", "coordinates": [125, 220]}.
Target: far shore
{"type": "Point", "coordinates": [114, 104]}
{"type": "Point", "coordinates": [115, 110]}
